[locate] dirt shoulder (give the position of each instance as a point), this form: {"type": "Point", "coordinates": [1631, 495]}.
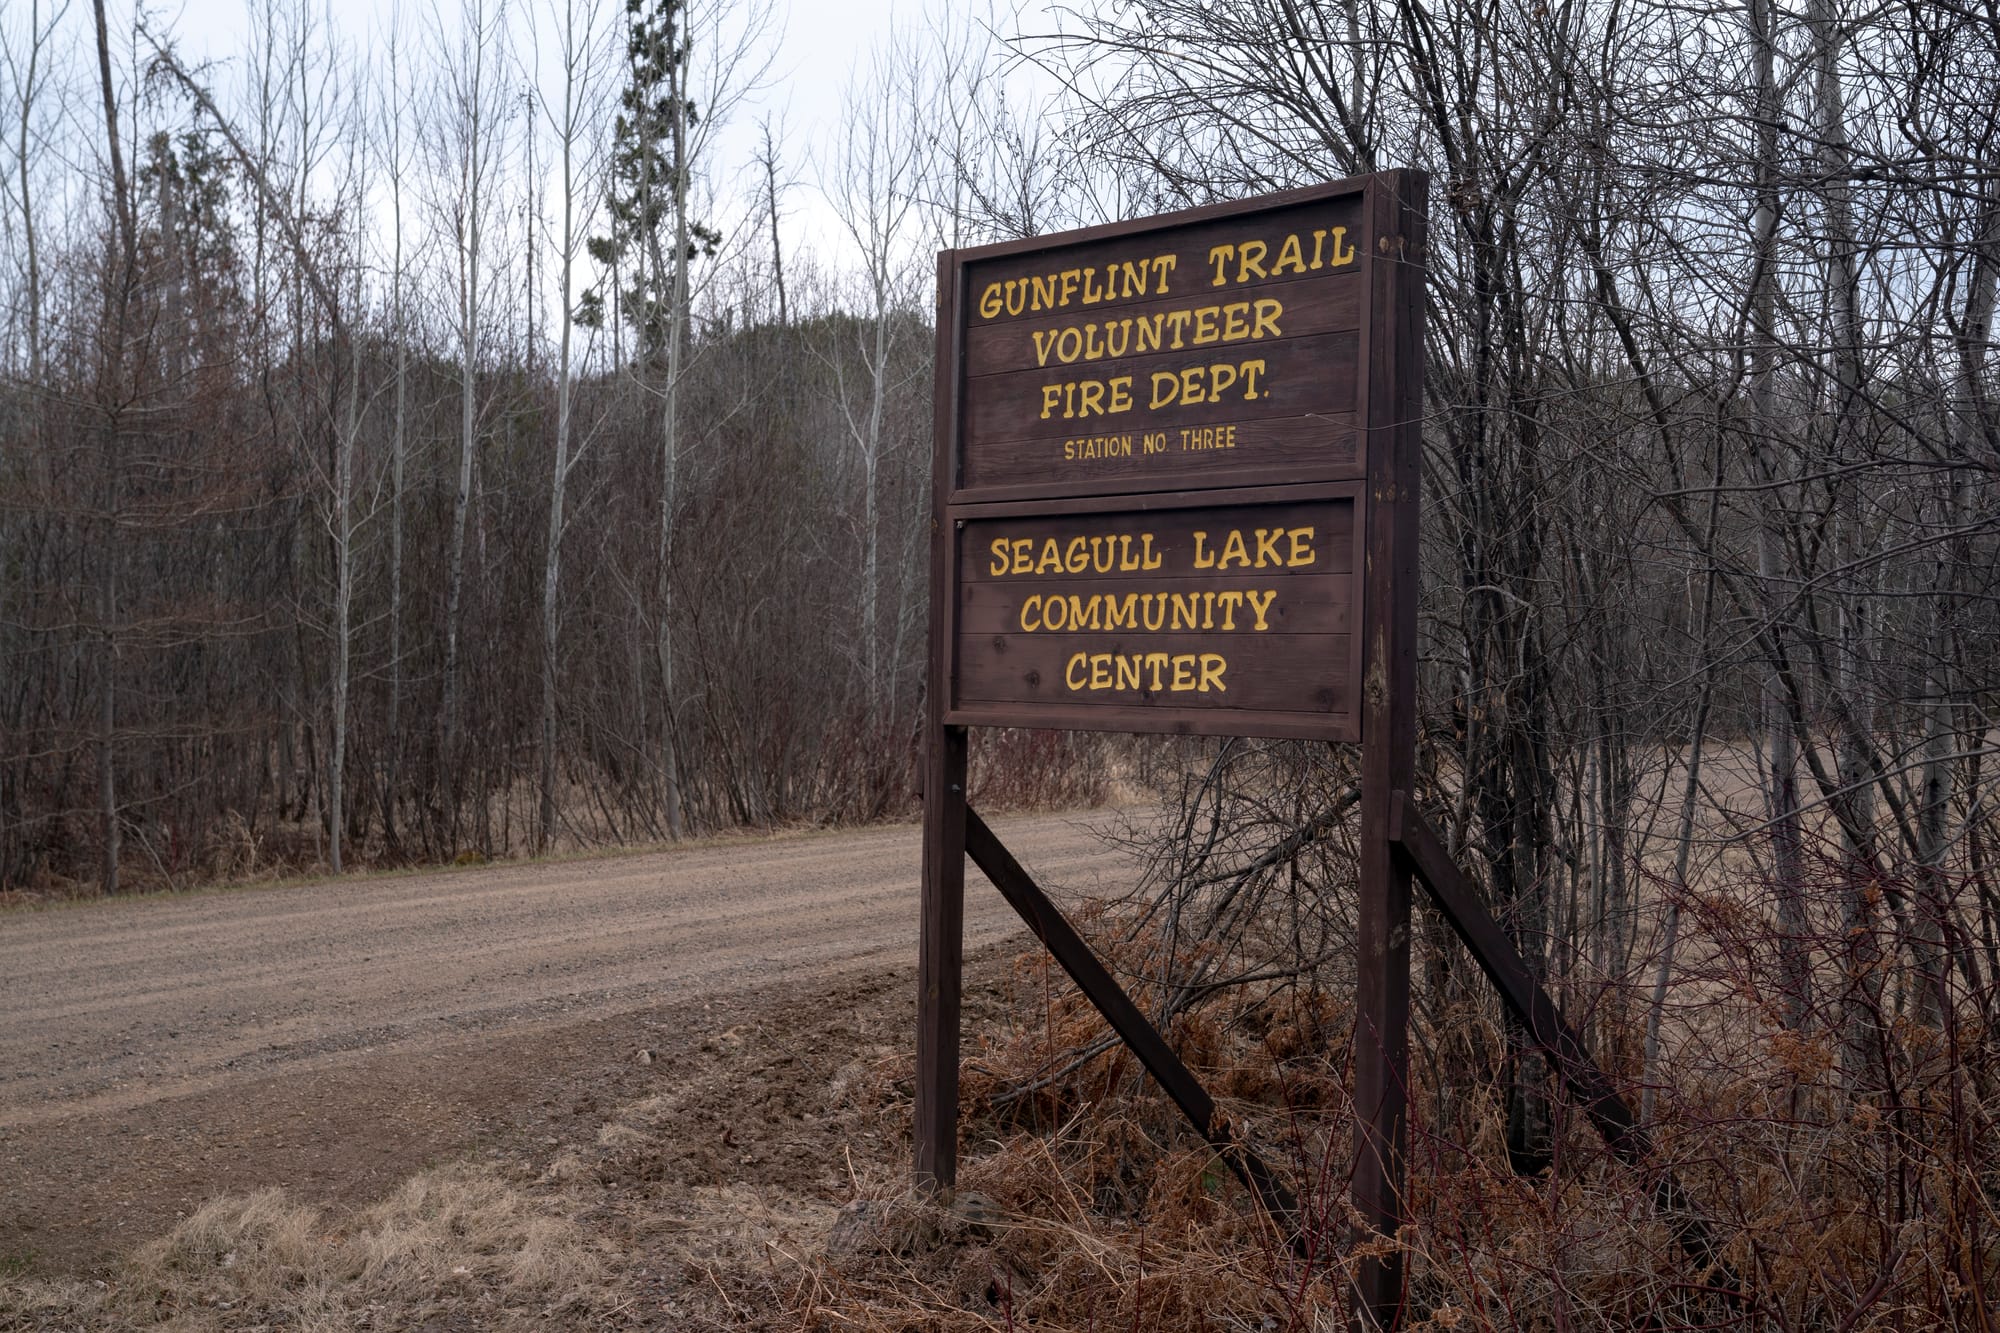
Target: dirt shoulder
{"type": "Point", "coordinates": [331, 1039]}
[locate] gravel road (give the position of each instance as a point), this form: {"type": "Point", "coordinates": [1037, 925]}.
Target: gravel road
{"type": "Point", "coordinates": [334, 1036]}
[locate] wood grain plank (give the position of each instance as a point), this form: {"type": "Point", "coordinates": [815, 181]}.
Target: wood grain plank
{"type": "Point", "coordinates": [1313, 446]}
{"type": "Point", "coordinates": [1312, 376]}
{"type": "Point", "coordinates": [1290, 673]}
{"type": "Point", "coordinates": [1189, 237]}
{"type": "Point", "coordinates": [1305, 604]}
{"type": "Point", "coordinates": [1295, 308]}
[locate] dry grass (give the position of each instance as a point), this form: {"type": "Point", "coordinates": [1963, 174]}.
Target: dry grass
{"type": "Point", "coordinates": [458, 1240]}
{"type": "Point", "coordinates": [1877, 1211]}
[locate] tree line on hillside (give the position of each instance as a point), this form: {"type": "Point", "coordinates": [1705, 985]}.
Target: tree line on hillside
{"type": "Point", "coordinates": [399, 461]}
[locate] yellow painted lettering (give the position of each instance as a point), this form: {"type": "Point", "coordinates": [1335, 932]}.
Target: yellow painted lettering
{"type": "Point", "coordinates": [1267, 546]}
{"type": "Point", "coordinates": [990, 302]}
{"type": "Point", "coordinates": [1212, 667]}
{"type": "Point", "coordinates": [1289, 255]}
{"type": "Point", "coordinates": [1203, 559]}
{"type": "Point", "coordinates": [1232, 549]}
{"type": "Point", "coordinates": [1258, 608]}
{"type": "Point", "coordinates": [1076, 663]}
{"type": "Point", "coordinates": [1183, 672]}
{"type": "Point", "coordinates": [1051, 558]}
{"type": "Point", "coordinates": [999, 549]}
{"type": "Point", "coordinates": [1220, 256]}
{"type": "Point", "coordinates": [1267, 313]}
{"type": "Point", "coordinates": [1302, 552]}
{"type": "Point", "coordinates": [1133, 276]}
{"type": "Point", "coordinates": [1031, 609]}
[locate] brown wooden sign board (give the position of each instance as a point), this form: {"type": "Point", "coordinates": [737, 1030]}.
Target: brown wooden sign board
{"type": "Point", "coordinates": [1174, 490]}
{"type": "Point", "coordinates": [1235, 615]}
{"type": "Point", "coordinates": [1153, 450]}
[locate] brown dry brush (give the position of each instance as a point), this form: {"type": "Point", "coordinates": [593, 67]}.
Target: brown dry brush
{"type": "Point", "coordinates": [452, 1244]}
{"type": "Point", "coordinates": [1848, 1191]}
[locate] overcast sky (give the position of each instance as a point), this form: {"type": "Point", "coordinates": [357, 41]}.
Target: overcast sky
{"type": "Point", "coordinates": [816, 49]}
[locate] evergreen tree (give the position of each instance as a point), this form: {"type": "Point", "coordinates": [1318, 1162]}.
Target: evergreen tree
{"type": "Point", "coordinates": [649, 172]}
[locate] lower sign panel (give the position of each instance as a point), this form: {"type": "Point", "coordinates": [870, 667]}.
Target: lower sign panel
{"type": "Point", "coordinates": [1234, 619]}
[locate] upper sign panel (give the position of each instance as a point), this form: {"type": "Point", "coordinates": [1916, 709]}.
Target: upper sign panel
{"type": "Point", "coordinates": [1207, 353]}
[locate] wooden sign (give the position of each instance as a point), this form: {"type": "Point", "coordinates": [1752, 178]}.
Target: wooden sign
{"type": "Point", "coordinates": [1232, 613]}
{"type": "Point", "coordinates": [1220, 352]}
{"type": "Point", "coordinates": [1153, 443]}
{"type": "Point", "coordinates": [1175, 489]}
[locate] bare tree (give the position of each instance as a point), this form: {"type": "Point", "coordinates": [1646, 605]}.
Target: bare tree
{"type": "Point", "coordinates": [575, 117]}
{"type": "Point", "coordinates": [872, 185]}
{"type": "Point", "coordinates": [465, 140]}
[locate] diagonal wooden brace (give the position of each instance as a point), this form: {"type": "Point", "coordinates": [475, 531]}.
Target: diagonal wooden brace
{"type": "Point", "coordinates": [1523, 994]}
{"type": "Point", "coordinates": [1090, 975]}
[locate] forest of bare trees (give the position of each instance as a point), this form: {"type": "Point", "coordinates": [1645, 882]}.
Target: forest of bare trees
{"type": "Point", "coordinates": [415, 445]}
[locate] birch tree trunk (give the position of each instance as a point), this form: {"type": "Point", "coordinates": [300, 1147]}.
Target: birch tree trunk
{"type": "Point", "coordinates": [473, 132]}
{"type": "Point", "coordinates": [575, 117]}
{"type": "Point", "coordinates": [398, 447]}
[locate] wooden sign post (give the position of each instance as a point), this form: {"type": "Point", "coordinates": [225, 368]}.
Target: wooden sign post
{"type": "Point", "coordinates": [1175, 490]}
